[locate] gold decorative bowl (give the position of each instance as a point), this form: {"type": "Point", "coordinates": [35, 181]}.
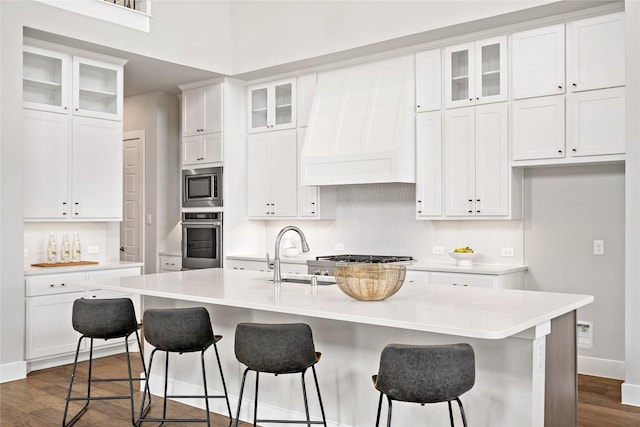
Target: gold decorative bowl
{"type": "Point", "coordinates": [370, 282]}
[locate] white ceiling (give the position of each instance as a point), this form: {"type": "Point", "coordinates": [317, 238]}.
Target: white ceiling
{"type": "Point", "coordinates": [141, 74]}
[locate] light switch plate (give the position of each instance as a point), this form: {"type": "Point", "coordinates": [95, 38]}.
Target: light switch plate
{"type": "Point", "coordinates": [93, 249]}
{"type": "Point", "coordinates": [598, 247]}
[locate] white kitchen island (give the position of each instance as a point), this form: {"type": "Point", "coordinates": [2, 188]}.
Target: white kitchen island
{"type": "Point", "coordinates": [524, 342]}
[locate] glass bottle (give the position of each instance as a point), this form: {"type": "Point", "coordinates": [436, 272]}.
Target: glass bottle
{"type": "Point", "coordinates": [65, 249]}
{"type": "Point", "coordinates": [75, 254]}
{"type": "Point", "coordinates": [51, 249]}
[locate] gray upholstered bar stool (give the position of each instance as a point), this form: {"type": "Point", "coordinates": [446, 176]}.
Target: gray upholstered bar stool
{"type": "Point", "coordinates": [181, 330]}
{"type": "Point", "coordinates": [277, 349]}
{"type": "Point", "coordinates": [103, 319]}
{"type": "Point", "coordinates": [425, 374]}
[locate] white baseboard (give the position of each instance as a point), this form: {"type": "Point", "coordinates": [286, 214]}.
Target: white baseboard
{"type": "Point", "coordinates": [156, 385]}
{"type": "Point", "coordinates": [631, 394]}
{"type": "Point", "coordinates": [607, 368]}
{"type": "Point", "coordinates": [13, 371]}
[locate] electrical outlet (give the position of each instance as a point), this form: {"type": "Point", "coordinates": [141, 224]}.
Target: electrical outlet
{"type": "Point", "coordinates": [339, 247]}
{"type": "Point", "coordinates": [506, 252]}
{"type": "Point", "coordinates": [93, 249]}
{"type": "Point", "coordinates": [26, 253]}
{"type": "Point", "coordinates": [438, 250]}
{"type": "Point", "coordinates": [584, 334]}
{"type": "Point", "coordinates": [598, 247]}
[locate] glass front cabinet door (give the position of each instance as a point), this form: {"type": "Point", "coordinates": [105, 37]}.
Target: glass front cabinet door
{"type": "Point", "coordinates": [475, 73]}
{"type": "Point", "coordinates": [272, 106]}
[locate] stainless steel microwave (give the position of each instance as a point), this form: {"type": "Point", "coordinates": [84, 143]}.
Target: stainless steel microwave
{"type": "Point", "coordinates": [201, 187]}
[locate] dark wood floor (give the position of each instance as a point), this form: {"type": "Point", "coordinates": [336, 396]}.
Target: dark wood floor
{"type": "Point", "coordinates": [39, 400]}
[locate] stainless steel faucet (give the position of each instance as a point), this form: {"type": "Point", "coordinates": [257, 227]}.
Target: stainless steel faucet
{"type": "Point", "coordinates": [277, 278]}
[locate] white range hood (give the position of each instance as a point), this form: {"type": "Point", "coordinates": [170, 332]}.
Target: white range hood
{"type": "Point", "coordinates": [362, 125]}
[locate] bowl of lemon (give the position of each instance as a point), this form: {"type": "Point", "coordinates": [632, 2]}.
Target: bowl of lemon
{"type": "Point", "coordinates": [464, 256]}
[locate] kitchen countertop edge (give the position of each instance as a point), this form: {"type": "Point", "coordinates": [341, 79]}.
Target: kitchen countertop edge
{"type": "Point", "coordinates": [102, 265]}
{"type": "Point", "coordinates": [491, 269]}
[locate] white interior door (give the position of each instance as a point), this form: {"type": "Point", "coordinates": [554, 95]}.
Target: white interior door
{"type": "Point", "coordinates": [132, 226]}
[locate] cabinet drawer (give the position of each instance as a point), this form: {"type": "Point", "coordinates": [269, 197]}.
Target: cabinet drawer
{"type": "Point", "coordinates": [477, 280]}
{"type": "Point", "coordinates": [170, 263]}
{"type": "Point", "coordinates": [247, 265]}
{"type": "Point", "coordinates": [420, 277]}
{"type": "Point", "coordinates": [52, 284]}
{"type": "Point", "coordinates": [118, 272]}
{"type": "Point", "coordinates": [290, 268]}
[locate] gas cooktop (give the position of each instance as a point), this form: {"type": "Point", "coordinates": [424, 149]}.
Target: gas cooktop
{"type": "Point", "coordinates": [324, 265]}
{"type": "Point", "coordinates": [364, 258]}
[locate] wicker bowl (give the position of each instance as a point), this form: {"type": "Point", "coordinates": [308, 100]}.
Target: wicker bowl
{"type": "Point", "coordinates": [370, 282]}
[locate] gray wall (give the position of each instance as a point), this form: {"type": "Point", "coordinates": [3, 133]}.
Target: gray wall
{"type": "Point", "coordinates": [157, 114]}
{"type": "Point", "coordinates": [566, 208]}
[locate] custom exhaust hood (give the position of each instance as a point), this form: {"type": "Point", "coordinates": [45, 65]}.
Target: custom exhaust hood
{"type": "Point", "coordinates": [362, 125]}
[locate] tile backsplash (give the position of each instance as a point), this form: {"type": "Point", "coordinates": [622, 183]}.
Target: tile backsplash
{"type": "Point", "coordinates": [380, 219]}
{"type": "Point", "coordinates": [105, 236]}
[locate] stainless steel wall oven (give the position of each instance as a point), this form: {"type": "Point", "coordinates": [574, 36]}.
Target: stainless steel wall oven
{"type": "Point", "coordinates": [201, 240]}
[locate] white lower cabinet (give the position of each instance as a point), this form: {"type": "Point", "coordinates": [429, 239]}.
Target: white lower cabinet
{"type": "Point", "coordinates": [49, 335]}
{"type": "Point", "coordinates": [170, 263]}
{"type": "Point", "coordinates": [48, 323]}
{"type": "Point", "coordinates": [514, 280]}
{"type": "Point", "coordinates": [252, 265]}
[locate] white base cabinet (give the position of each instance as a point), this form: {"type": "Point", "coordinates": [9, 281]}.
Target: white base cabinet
{"type": "Point", "coordinates": [50, 338]}
{"type": "Point", "coordinates": [285, 267]}
{"type": "Point", "coordinates": [513, 280]}
{"type": "Point", "coordinates": [170, 263]}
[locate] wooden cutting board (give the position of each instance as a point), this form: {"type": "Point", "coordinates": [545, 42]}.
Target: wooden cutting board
{"type": "Point", "coordinates": [64, 264]}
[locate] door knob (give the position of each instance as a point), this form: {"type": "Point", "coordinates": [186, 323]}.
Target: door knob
{"type": "Point", "coordinates": [121, 248]}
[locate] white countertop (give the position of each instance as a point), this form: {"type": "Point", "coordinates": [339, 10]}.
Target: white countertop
{"type": "Point", "coordinates": [446, 267]}
{"type": "Point", "coordinates": [102, 265]}
{"type": "Point", "coordinates": [455, 310]}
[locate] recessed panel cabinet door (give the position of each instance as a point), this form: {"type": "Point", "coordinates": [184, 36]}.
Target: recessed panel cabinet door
{"type": "Point", "coordinates": [46, 165]}
{"type": "Point", "coordinates": [538, 128]}
{"type": "Point", "coordinates": [596, 49]}
{"type": "Point", "coordinates": [459, 160]}
{"type": "Point", "coordinates": [429, 164]}
{"type": "Point", "coordinates": [97, 169]}
{"type": "Point", "coordinates": [48, 325]}
{"type": "Point", "coordinates": [284, 173]}
{"type": "Point", "coordinates": [538, 62]}
{"type": "Point", "coordinates": [595, 122]}
{"type": "Point", "coordinates": [492, 160]}
{"type": "Point", "coordinates": [258, 175]}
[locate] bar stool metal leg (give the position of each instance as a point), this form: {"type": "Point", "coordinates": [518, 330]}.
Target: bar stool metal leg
{"type": "Point", "coordinates": [102, 319]}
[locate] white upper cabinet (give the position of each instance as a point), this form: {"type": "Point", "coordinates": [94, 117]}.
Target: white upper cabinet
{"type": "Point", "coordinates": [476, 72]}
{"type": "Point", "coordinates": [477, 170]}
{"type": "Point", "coordinates": [199, 150]}
{"type": "Point", "coordinates": [46, 78]}
{"type": "Point", "coordinates": [202, 110]}
{"type": "Point", "coordinates": [429, 164]}
{"type": "Point", "coordinates": [428, 80]}
{"type": "Point", "coordinates": [59, 82]}
{"type": "Point", "coordinates": [596, 122]}
{"type": "Point", "coordinates": [97, 89]}
{"type": "Point", "coordinates": [73, 169]}
{"type": "Point", "coordinates": [96, 169]}
{"type": "Point", "coordinates": [306, 87]}
{"type": "Point", "coordinates": [596, 52]}
{"type": "Point", "coordinates": [272, 106]}
{"type": "Point", "coordinates": [538, 128]}
{"type": "Point", "coordinates": [272, 184]}
{"type": "Point", "coordinates": [314, 202]}
{"type": "Point", "coordinates": [538, 62]}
